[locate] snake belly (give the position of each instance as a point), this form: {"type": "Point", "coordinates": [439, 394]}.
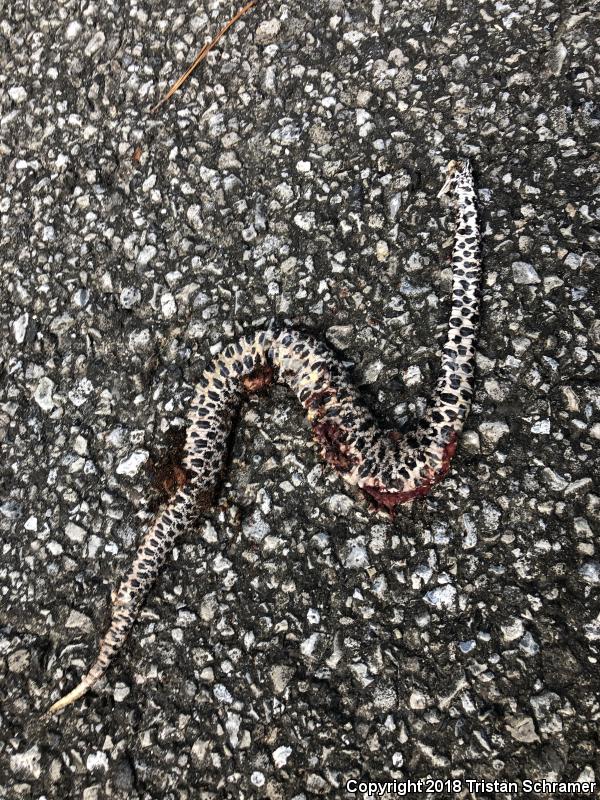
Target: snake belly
{"type": "Point", "coordinates": [387, 468]}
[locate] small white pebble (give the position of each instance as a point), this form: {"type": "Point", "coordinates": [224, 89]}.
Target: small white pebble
{"type": "Point", "coordinates": [542, 426]}
{"type": "Point", "coordinates": [131, 465]}
{"type": "Point", "coordinates": [257, 779]}
{"type": "Point", "coordinates": [417, 701]}
{"type": "Point", "coordinates": [95, 43]}
{"type": "Point", "coordinates": [120, 693]}
{"type": "Point", "coordinates": [313, 616]}
{"type": "Point", "coordinates": [194, 217]}
{"type": "Point", "coordinates": [17, 94]}
{"type": "Point", "coordinates": [305, 220]}
{"type": "Point", "coordinates": [281, 755]}
{"type": "Point", "coordinates": [146, 255]}
{"type": "Point", "coordinates": [512, 629]}
{"type": "Point", "coordinates": [43, 394]}
{"type": "Point", "coordinates": [412, 376]}
{"type": "Point", "coordinates": [54, 547]}
{"type": "Point", "coordinates": [307, 647]}
{"type": "Point", "coordinates": [222, 693]}
{"type": "Point", "coordinates": [73, 30]}
{"type": "Point", "coordinates": [75, 532]}
{"type": "Point", "coordinates": [168, 306]}
{"type": "Point", "coordinates": [382, 251]}
{"type": "Point", "coordinates": [441, 596]}
{"type": "Point", "coordinates": [19, 327]}
{"type": "Point", "coordinates": [149, 183]}
{"type": "Point", "coordinates": [97, 760]}
{"type": "Point", "coordinates": [31, 524]}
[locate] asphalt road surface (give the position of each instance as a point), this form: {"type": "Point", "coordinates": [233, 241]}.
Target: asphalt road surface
{"type": "Point", "coordinates": [294, 642]}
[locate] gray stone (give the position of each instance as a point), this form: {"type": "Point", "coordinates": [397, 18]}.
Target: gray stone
{"type": "Point", "coordinates": [27, 764]}
{"type": "Point", "coordinates": [442, 596]}
{"type": "Point", "coordinates": [524, 273]}
{"type": "Point", "coordinates": [75, 532]}
{"type": "Point", "coordinates": [492, 432]}
{"type": "Point", "coordinates": [43, 394]}
{"type": "Point", "coordinates": [267, 31]}
{"type": "Point", "coordinates": [79, 621]}
{"type": "Point", "coordinates": [590, 572]}
{"type": "Point", "coordinates": [256, 527]}
{"type": "Point", "coordinates": [95, 43]}
{"type": "Point", "coordinates": [522, 729]}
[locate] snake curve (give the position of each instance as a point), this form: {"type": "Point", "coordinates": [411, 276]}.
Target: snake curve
{"type": "Point", "coordinates": [387, 467]}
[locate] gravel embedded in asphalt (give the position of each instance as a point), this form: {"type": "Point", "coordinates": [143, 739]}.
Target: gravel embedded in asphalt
{"type": "Point", "coordinates": [294, 641]}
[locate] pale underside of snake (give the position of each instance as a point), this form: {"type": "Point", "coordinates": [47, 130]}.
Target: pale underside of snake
{"type": "Point", "coordinates": [387, 467]}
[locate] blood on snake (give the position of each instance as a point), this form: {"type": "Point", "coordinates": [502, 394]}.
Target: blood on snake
{"type": "Point", "coordinates": [387, 468]}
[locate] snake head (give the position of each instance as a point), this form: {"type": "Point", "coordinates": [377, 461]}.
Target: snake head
{"type": "Point", "coordinates": [458, 174]}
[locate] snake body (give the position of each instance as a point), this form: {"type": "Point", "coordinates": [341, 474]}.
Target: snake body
{"type": "Point", "coordinates": [388, 468]}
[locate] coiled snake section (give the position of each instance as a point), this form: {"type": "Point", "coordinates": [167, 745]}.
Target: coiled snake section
{"type": "Point", "coordinates": [388, 468]}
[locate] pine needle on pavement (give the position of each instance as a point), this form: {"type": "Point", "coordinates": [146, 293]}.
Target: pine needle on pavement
{"type": "Point", "coordinates": [202, 55]}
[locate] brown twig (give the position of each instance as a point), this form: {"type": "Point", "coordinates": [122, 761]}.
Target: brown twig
{"type": "Point", "coordinates": [202, 55]}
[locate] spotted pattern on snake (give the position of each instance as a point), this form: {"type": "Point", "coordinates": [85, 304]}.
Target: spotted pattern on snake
{"type": "Point", "coordinates": [386, 467]}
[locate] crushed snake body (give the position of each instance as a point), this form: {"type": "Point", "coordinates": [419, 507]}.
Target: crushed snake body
{"type": "Point", "coordinates": [386, 467]}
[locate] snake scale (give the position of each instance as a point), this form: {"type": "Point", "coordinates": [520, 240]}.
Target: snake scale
{"type": "Point", "coordinates": [387, 467]}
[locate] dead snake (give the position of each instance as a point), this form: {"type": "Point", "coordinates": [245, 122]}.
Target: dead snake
{"type": "Point", "coordinates": [387, 467]}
